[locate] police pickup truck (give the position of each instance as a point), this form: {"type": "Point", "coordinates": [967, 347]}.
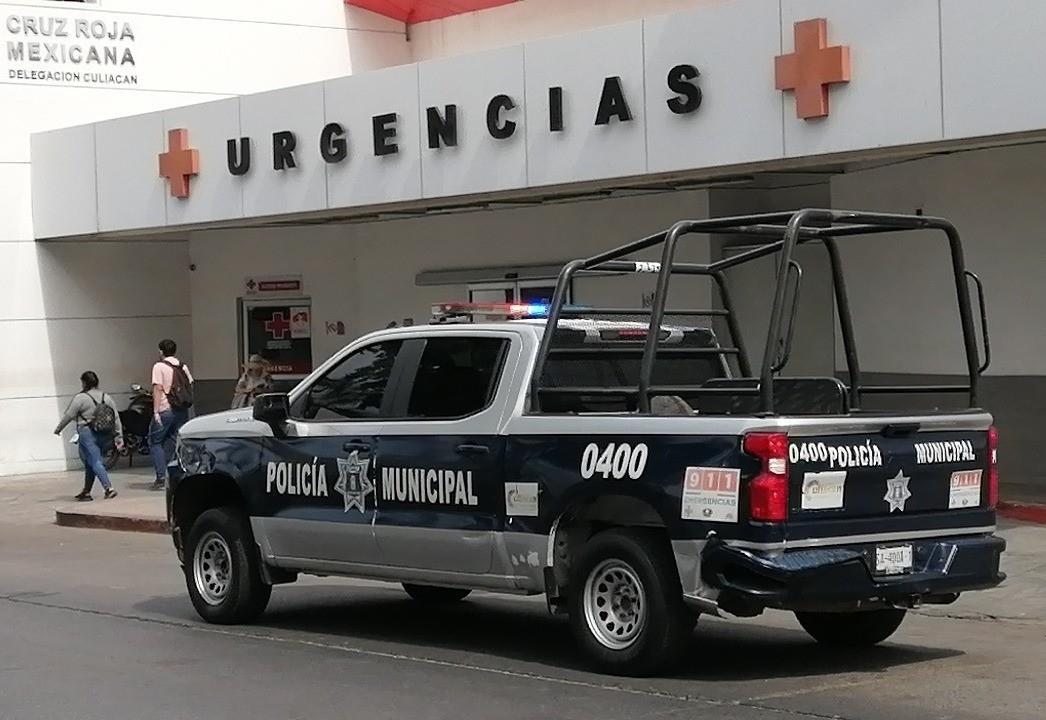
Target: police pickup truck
{"type": "Point", "coordinates": [628, 465]}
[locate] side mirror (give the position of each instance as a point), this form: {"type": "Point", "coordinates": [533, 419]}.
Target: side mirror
{"type": "Point", "coordinates": [272, 408]}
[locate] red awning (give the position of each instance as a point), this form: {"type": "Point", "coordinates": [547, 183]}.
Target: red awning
{"type": "Point", "coordinates": [415, 11]}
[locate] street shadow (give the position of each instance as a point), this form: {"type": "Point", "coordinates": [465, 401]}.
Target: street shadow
{"type": "Point", "coordinates": [522, 630]}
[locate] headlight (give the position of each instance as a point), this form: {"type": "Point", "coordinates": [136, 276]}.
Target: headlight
{"type": "Point", "coordinates": [189, 455]}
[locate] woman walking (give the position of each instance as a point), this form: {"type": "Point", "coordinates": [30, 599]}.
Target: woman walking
{"type": "Point", "coordinates": [98, 428]}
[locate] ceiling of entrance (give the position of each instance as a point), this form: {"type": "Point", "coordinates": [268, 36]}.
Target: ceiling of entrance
{"type": "Point", "coordinates": [415, 11]}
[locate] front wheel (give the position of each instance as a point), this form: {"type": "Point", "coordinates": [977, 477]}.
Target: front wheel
{"type": "Point", "coordinates": [626, 603]}
{"type": "Point", "coordinates": [223, 568]}
{"type": "Point", "coordinates": [435, 595]}
{"type": "Point", "coordinates": [851, 630]}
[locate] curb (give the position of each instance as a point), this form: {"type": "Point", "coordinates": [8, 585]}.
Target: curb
{"type": "Point", "coordinates": [110, 522]}
{"type": "Point", "coordinates": [1024, 512]}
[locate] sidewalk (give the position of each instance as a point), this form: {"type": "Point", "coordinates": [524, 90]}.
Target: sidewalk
{"type": "Point", "coordinates": [48, 497]}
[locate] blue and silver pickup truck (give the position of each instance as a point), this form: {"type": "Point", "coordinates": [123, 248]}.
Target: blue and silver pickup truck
{"type": "Point", "coordinates": [624, 462]}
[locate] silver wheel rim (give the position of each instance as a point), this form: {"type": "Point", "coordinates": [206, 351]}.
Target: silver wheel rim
{"type": "Point", "coordinates": [212, 568]}
{"type": "Point", "coordinates": [615, 604]}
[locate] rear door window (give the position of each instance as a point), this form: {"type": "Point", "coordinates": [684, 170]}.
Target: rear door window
{"type": "Point", "coordinates": [456, 377]}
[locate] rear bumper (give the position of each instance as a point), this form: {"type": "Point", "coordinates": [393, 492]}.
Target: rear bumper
{"type": "Point", "coordinates": [842, 577]}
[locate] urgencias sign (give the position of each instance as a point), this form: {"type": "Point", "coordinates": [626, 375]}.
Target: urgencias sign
{"type": "Point", "coordinates": [684, 96]}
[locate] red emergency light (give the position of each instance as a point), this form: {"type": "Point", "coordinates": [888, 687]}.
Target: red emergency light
{"type": "Point", "coordinates": [416, 11]}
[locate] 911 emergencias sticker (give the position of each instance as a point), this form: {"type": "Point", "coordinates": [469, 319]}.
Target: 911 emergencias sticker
{"type": "Point", "coordinates": [711, 494]}
{"type": "Point", "coordinates": [964, 489]}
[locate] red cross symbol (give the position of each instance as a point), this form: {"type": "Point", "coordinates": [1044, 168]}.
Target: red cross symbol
{"type": "Point", "coordinates": [278, 326]}
{"type": "Point", "coordinates": [179, 163]}
{"type": "Point", "coordinates": [812, 68]}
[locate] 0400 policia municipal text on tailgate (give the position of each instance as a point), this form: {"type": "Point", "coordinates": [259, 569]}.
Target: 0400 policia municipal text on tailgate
{"type": "Point", "coordinates": [628, 463]}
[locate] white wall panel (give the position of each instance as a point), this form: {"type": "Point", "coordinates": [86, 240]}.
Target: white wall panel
{"type": "Point", "coordinates": [579, 64]}
{"type": "Point", "coordinates": [364, 178]}
{"type": "Point", "coordinates": [298, 189]}
{"type": "Point", "coordinates": [38, 451]}
{"type": "Point", "coordinates": [130, 191]}
{"type": "Point", "coordinates": [78, 279]}
{"type": "Point", "coordinates": [218, 192]}
{"type": "Point", "coordinates": [64, 198]}
{"type": "Point", "coordinates": [479, 163]}
{"type": "Point", "coordinates": [120, 350]}
{"type": "Point", "coordinates": [894, 95]}
{"type": "Point", "coordinates": [740, 116]}
{"type": "Point", "coordinates": [991, 61]}
{"type": "Point", "coordinates": [531, 20]}
{"type": "Point", "coordinates": [43, 108]}
{"type": "Point", "coordinates": [16, 191]}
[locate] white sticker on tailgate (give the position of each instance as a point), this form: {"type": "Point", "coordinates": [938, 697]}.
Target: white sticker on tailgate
{"type": "Point", "coordinates": [965, 489]}
{"type": "Point", "coordinates": [711, 494]}
{"type": "Point", "coordinates": [823, 490]}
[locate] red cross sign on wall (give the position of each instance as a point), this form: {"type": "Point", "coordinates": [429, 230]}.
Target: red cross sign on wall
{"type": "Point", "coordinates": [812, 68]}
{"type": "Point", "coordinates": [179, 163]}
{"type": "Point", "coordinates": [278, 327]}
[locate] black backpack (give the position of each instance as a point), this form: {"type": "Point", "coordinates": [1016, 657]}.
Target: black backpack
{"type": "Point", "coordinates": [104, 420]}
{"type": "Point", "coordinates": [180, 394]}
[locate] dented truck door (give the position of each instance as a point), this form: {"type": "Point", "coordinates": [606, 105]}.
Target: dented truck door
{"type": "Point", "coordinates": [318, 483]}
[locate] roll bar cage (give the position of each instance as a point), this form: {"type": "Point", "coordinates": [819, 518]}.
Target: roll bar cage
{"type": "Point", "coordinates": [778, 232]}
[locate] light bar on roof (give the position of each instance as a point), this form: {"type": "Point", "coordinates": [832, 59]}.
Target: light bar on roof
{"type": "Point", "coordinates": [514, 311]}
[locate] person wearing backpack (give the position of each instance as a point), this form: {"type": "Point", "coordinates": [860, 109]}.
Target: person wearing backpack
{"type": "Point", "coordinates": [98, 428]}
{"type": "Point", "coordinates": [172, 399]}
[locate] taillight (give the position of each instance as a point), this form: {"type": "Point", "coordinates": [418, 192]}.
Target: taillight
{"type": "Point", "coordinates": [993, 467]}
{"type": "Point", "coordinates": [768, 491]}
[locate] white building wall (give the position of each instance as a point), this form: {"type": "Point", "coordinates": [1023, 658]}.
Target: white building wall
{"type": "Point", "coordinates": [530, 20]}
{"type": "Point", "coordinates": [364, 274]}
{"type": "Point", "coordinates": [68, 307]}
{"type": "Point", "coordinates": [901, 286]}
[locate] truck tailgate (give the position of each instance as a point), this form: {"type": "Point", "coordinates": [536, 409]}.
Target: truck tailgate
{"type": "Point", "coordinates": [896, 472]}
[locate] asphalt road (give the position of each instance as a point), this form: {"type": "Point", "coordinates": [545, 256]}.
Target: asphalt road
{"type": "Point", "coordinates": [96, 624]}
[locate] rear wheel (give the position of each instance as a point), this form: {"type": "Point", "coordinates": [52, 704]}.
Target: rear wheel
{"type": "Point", "coordinates": [433, 594]}
{"type": "Point", "coordinates": [626, 605]}
{"type": "Point", "coordinates": [223, 568]}
{"type": "Point", "coordinates": [851, 630]}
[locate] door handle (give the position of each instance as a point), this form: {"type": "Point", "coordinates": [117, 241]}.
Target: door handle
{"type": "Point", "coordinates": [355, 445]}
{"type": "Point", "coordinates": [473, 449]}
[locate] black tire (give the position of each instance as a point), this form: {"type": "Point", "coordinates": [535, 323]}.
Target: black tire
{"type": "Point", "coordinates": [851, 630]}
{"type": "Point", "coordinates": [660, 637]}
{"type": "Point", "coordinates": [435, 595]}
{"type": "Point", "coordinates": [234, 591]}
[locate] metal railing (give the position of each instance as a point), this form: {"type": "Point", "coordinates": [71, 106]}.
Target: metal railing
{"type": "Point", "coordinates": [779, 233]}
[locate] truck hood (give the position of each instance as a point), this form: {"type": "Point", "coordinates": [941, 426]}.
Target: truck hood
{"type": "Point", "coordinates": [234, 423]}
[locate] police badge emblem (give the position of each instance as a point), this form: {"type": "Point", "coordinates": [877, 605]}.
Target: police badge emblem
{"type": "Point", "coordinates": [353, 483]}
{"type": "Point", "coordinates": [897, 492]}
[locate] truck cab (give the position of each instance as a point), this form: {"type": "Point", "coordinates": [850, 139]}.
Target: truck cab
{"type": "Point", "coordinates": [627, 463]}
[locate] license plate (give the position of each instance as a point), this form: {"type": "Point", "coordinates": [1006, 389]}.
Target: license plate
{"type": "Point", "coordinates": [893, 560]}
